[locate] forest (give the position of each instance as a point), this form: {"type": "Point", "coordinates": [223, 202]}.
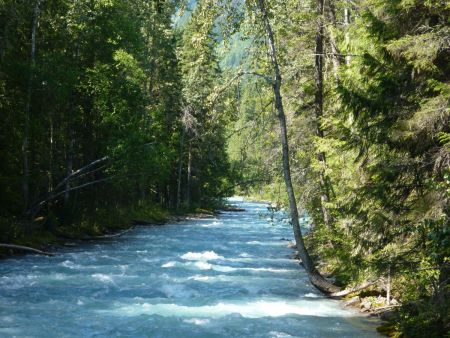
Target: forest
{"type": "Point", "coordinates": [335, 109]}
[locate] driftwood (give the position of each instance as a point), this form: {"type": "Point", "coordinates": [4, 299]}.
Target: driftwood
{"type": "Point", "coordinates": [25, 248]}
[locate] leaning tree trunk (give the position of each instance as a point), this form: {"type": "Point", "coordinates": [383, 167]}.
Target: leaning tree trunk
{"type": "Point", "coordinates": [316, 279]}
{"type": "Point", "coordinates": [26, 136]}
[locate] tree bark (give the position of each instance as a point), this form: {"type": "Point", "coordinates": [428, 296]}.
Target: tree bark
{"type": "Point", "coordinates": [346, 292]}
{"type": "Point", "coordinates": [318, 110]}
{"type": "Point", "coordinates": [318, 280]}
{"type": "Point", "coordinates": [347, 36]}
{"type": "Point", "coordinates": [26, 137]}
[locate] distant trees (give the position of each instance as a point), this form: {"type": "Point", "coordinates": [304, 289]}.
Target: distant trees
{"type": "Point", "coordinates": [203, 124]}
{"type": "Point", "coordinates": [93, 95]}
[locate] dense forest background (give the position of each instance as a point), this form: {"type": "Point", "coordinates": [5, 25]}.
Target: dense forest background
{"type": "Point", "coordinates": [118, 108]}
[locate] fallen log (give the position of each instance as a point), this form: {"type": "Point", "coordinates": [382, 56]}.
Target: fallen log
{"type": "Point", "coordinates": [25, 248]}
{"type": "Point", "coordinates": [346, 292]}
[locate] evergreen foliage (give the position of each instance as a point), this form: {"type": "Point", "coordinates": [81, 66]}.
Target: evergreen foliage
{"type": "Point", "coordinates": [92, 101]}
{"type": "Point", "coordinates": [115, 107]}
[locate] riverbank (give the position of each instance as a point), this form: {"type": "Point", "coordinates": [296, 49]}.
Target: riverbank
{"type": "Point", "coordinates": [370, 302]}
{"type": "Point", "coordinates": [104, 224]}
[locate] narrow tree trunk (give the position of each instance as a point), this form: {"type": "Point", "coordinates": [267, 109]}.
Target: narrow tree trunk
{"type": "Point", "coordinates": [318, 110]}
{"type": "Point", "coordinates": [180, 168]}
{"type": "Point", "coordinates": [26, 137]}
{"type": "Point", "coordinates": [388, 291]}
{"type": "Point", "coordinates": [69, 168]}
{"type": "Point", "coordinates": [189, 175]}
{"type": "Point", "coordinates": [347, 36]}
{"type": "Point", "coordinates": [50, 155]}
{"type": "Point", "coordinates": [313, 274]}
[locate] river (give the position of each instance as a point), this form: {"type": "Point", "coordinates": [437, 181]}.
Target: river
{"type": "Point", "coordinates": [228, 276]}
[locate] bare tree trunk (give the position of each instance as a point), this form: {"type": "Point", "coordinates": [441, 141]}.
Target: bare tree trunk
{"type": "Point", "coordinates": [313, 274]}
{"type": "Point", "coordinates": [318, 110]}
{"type": "Point", "coordinates": [347, 36]}
{"type": "Point", "coordinates": [26, 137]}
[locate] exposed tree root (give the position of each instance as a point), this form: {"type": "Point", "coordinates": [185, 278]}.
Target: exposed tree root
{"type": "Point", "coordinates": [323, 284]}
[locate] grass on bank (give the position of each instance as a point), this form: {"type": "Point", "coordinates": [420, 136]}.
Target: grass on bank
{"type": "Point", "coordinates": [43, 232]}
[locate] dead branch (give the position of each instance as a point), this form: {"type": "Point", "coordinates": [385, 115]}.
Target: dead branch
{"type": "Point", "coordinates": [25, 248]}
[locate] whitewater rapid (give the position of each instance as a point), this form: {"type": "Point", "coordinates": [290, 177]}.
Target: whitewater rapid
{"type": "Point", "coordinates": [227, 276]}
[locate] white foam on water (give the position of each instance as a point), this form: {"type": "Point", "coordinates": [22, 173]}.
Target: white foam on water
{"type": "Point", "coordinates": [177, 291]}
{"type": "Point", "coordinates": [277, 334]}
{"type": "Point", "coordinates": [149, 260]}
{"type": "Point", "coordinates": [170, 264]}
{"type": "Point", "coordinates": [255, 309]}
{"type": "Point", "coordinates": [209, 225]}
{"type": "Point", "coordinates": [80, 302]}
{"type": "Point", "coordinates": [201, 256]}
{"type": "Point", "coordinates": [203, 265]}
{"type": "Point", "coordinates": [200, 278]}
{"type": "Point", "coordinates": [70, 265]}
{"type": "Point", "coordinates": [312, 295]}
{"type": "Point", "coordinates": [123, 268]}
{"type": "Point", "coordinates": [197, 321]}
{"type": "Point", "coordinates": [264, 243]}
{"type": "Point", "coordinates": [268, 270]}
{"type": "Point", "coordinates": [107, 279]}
{"type": "Point", "coordinates": [17, 282]}
{"type": "Point", "coordinates": [60, 276]}
{"type": "Point", "coordinates": [245, 255]}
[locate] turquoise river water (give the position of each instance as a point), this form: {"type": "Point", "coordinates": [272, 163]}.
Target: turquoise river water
{"type": "Point", "coordinates": [227, 276]}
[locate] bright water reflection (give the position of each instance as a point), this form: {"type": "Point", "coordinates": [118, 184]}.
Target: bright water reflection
{"type": "Point", "coordinates": [228, 276]}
